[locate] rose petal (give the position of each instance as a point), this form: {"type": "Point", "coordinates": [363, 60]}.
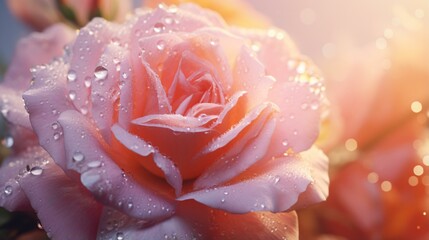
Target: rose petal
{"type": "Point", "coordinates": [250, 76]}
{"type": "Point", "coordinates": [36, 49]}
{"type": "Point", "coordinates": [45, 100]}
{"type": "Point", "coordinates": [12, 107]}
{"type": "Point", "coordinates": [196, 221]}
{"type": "Point", "coordinates": [139, 146]}
{"type": "Point", "coordinates": [276, 186]}
{"type": "Point", "coordinates": [86, 51]}
{"type": "Point", "coordinates": [298, 125]}
{"type": "Point", "coordinates": [175, 122]}
{"type": "Point", "coordinates": [249, 148]}
{"type": "Point", "coordinates": [105, 92]}
{"type": "Point", "coordinates": [274, 49]}
{"type": "Point", "coordinates": [126, 100]}
{"type": "Point", "coordinates": [13, 168]}
{"type": "Point", "coordinates": [235, 130]}
{"type": "Point", "coordinates": [107, 182]}
{"type": "Point", "coordinates": [48, 190]}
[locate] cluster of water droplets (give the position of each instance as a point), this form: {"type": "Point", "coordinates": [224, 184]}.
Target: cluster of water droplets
{"type": "Point", "coordinates": [39, 161]}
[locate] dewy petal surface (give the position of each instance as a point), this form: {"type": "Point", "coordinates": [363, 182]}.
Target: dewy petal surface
{"type": "Point", "coordinates": [134, 195]}
{"type": "Point", "coordinates": [276, 187]}
{"type": "Point", "coordinates": [49, 190]}
{"type": "Point", "coordinates": [196, 221]}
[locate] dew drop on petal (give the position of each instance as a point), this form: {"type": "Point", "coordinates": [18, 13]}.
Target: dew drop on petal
{"type": "Point", "coordinates": [87, 82]}
{"type": "Point", "coordinates": [214, 42]}
{"type": "Point", "coordinates": [57, 136]}
{"type": "Point", "coordinates": [160, 45]}
{"type": "Point", "coordinates": [285, 143]}
{"type": "Point", "coordinates": [72, 95]}
{"type": "Point", "coordinates": [94, 164]}
{"type": "Point", "coordinates": [78, 156]}
{"type": "Point", "coordinates": [276, 179]}
{"type": "Point", "coordinates": [55, 126]}
{"type": "Point", "coordinates": [100, 73]}
{"type": "Point", "coordinates": [71, 75]}
{"type": "Point", "coordinates": [120, 236]}
{"type": "Point", "coordinates": [36, 171]}
{"type": "Point", "coordinates": [8, 190]}
{"type": "Point", "coordinates": [158, 27]}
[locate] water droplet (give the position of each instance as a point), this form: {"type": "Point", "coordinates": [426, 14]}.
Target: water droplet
{"type": "Point", "coordinates": [158, 27]}
{"type": "Point", "coordinates": [314, 105]}
{"type": "Point", "coordinates": [78, 156]}
{"type": "Point", "coordinates": [119, 236]}
{"type": "Point", "coordinates": [8, 142]}
{"type": "Point", "coordinates": [285, 143]}
{"type": "Point", "coordinates": [222, 200]}
{"type": "Point", "coordinates": [100, 73]}
{"type": "Point", "coordinates": [71, 75]}
{"type": "Point", "coordinates": [84, 110]}
{"type": "Point", "coordinates": [87, 82]}
{"type": "Point", "coordinates": [124, 75]}
{"type": "Point", "coordinates": [72, 95]}
{"type": "Point", "coordinates": [168, 20]}
{"type": "Point", "coordinates": [214, 42]}
{"type": "Point", "coordinates": [160, 45]}
{"type": "Point", "coordinates": [8, 190]}
{"type": "Point", "coordinates": [94, 164]}
{"type": "Point", "coordinates": [276, 179]}
{"type": "Point", "coordinates": [55, 126]}
{"type": "Point", "coordinates": [57, 136]}
{"type": "Point", "coordinates": [36, 171]}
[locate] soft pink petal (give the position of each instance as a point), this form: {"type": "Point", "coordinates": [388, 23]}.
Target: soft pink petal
{"type": "Point", "coordinates": [276, 186]}
{"type": "Point", "coordinates": [105, 92]}
{"type": "Point", "coordinates": [250, 76]}
{"type": "Point", "coordinates": [142, 148]}
{"type": "Point", "coordinates": [125, 112]}
{"type": "Point", "coordinates": [252, 137]}
{"type": "Point", "coordinates": [195, 221]}
{"type": "Point", "coordinates": [299, 120]}
{"type": "Point", "coordinates": [12, 170]}
{"type": "Point", "coordinates": [235, 130]}
{"type": "Point", "coordinates": [274, 49]}
{"type": "Point", "coordinates": [12, 107]}
{"type": "Point", "coordinates": [36, 49]}
{"type": "Point", "coordinates": [54, 197]}
{"type": "Point", "coordinates": [175, 122]}
{"type": "Point", "coordinates": [85, 54]}
{"type": "Point", "coordinates": [298, 89]}
{"type": "Point", "coordinates": [108, 183]}
{"type": "Point", "coordinates": [45, 101]}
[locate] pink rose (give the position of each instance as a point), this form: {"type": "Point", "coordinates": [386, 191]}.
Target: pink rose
{"type": "Point", "coordinates": [175, 123]}
{"type": "Point", "coordinates": [40, 14]}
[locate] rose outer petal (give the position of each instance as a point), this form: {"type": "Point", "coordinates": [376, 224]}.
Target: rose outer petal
{"type": "Point", "coordinates": [100, 174]}
{"type": "Point", "coordinates": [277, 187]}
{"type": "Point", "coordinates": [195, 221]}
{"type": "Point", "coordinates": [54, 197]}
